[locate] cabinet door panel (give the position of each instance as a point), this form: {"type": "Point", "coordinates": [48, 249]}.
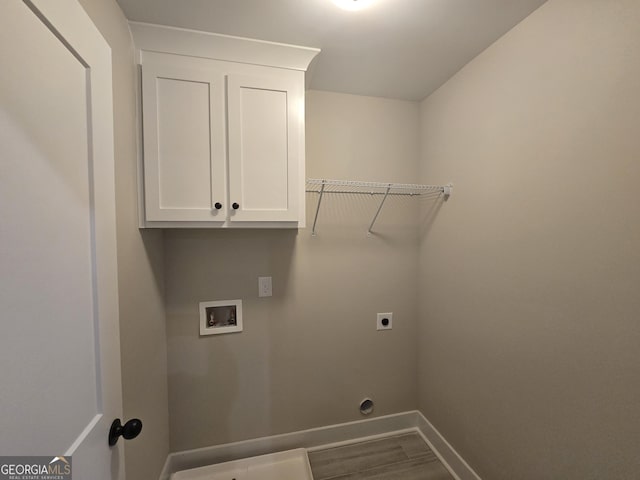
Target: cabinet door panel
{"type": "Point", "coordinates": [184, 144]}
{"type": "Point", "coordinates": [264, 148]}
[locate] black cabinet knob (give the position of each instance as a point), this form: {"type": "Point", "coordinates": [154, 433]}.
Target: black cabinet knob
{"type": "Point", "coordinates": [130, 430]}
{"type": "Point", "coordinates": [235, 206]}
{"type": "Point", "coordinates": [218, 205]}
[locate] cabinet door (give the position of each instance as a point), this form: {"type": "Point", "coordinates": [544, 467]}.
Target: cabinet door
{"type": "Point", "coordinates": [265, 128]}
{"type": "Point", "coordinates": [184, 143]}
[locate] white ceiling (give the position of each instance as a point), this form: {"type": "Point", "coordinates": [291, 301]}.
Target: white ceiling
{"type": "Point", "coordinates": [396, 48]}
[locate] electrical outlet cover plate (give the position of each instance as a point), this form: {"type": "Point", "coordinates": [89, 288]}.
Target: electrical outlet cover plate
{"type": "Point", "coordinates": [384, 321]}
{"type": "Point", "coordinates": [264, 287]}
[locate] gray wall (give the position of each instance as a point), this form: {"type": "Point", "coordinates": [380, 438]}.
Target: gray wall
{"type": "Point", "coordinates": [529, 276]}
{"type": "Point", "coordinates": [309, 354]}
{"type": "Point", "coordinates": [140, 284]}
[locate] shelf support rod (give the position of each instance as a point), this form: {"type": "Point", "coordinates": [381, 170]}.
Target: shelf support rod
{"type": "Point", "coordinates": [315, 219]}
{"type": "Point", "coordinates": [386, 194]}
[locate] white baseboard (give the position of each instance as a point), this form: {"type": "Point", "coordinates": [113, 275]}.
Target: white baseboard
{"type": "Point", "coordinates": [331, 435]}
{"type": "Point", "coordinates": [458, 467]}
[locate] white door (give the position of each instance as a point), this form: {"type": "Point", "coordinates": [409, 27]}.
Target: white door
{"type": "Point", "coordinates": [59, 348]}
{"type": "Point", "coordinates": [184, 141]}
{"type": "Point", "coordinates": [265, 131]}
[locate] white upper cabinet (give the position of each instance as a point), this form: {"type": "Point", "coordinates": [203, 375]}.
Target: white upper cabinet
{"type": "Point", "coordinates": [265, 136]}
{"type": "Point", "coordinates": [184, 142]}
{"type": "Point", "coordinates": [223, 141]}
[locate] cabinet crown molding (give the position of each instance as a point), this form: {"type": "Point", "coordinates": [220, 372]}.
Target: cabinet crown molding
{"type": "Point", "coordinates": [181, 41]}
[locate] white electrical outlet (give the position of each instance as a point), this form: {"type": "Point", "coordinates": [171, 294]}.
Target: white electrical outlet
{"type": "Point", "coordinates": [264, 287]}
{"type": "Point", "coordinates": [384, 321]}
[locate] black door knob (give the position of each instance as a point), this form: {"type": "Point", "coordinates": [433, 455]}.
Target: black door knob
{"type": "Point", "coordinates": [218, 205]}
{"type": "Point", "coordinates": [235, 206]}
{"type": "Point", "coordinates": [130, 430]}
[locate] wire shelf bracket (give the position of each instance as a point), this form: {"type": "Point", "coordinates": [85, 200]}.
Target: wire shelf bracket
{"type": "Point", "coordinates": [322, 187]}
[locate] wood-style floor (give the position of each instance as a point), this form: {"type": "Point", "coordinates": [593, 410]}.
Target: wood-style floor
{"type": "Point", "coordinates": [401, 457]}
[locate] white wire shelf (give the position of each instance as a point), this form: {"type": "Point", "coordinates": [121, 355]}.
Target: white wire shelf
{"type": "Point", "coordinates": [351, 187]}
{"type": "Point", "coordinates": [371, 188]}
